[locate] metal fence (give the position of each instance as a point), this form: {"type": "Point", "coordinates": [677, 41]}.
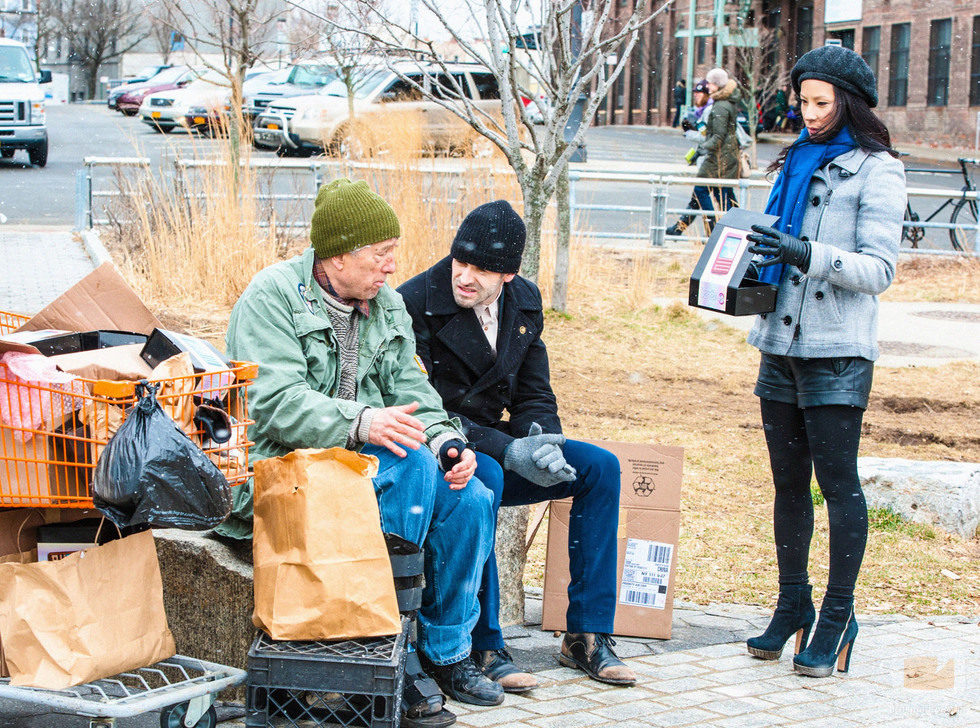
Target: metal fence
{"type": "Point", "coordinates": [287, 189]}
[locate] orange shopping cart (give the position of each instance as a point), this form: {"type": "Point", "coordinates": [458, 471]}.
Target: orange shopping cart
{"type": "Point", "coordinates": [52, 434]}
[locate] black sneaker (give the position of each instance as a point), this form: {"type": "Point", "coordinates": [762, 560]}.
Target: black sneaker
{"type": "Point", "coordinates": [464, 682]}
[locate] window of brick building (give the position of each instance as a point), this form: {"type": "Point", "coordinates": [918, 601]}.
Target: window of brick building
{"type": "Point", "coordinates": [940, 38]}
{"type": "Point", "coordinates": [871, 47]}
{"type": "Point", "coordinates": [804, 29]}
{"type": "Point", "coordinates": [898, 65]}
{"type": "Point", "coordinates": [846, 37]}
{"type": "Point", "coordinates": [975, 64]}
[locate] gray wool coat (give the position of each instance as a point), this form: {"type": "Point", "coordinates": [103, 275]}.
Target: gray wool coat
{"type": "Point", "coordinates": [853, 221]}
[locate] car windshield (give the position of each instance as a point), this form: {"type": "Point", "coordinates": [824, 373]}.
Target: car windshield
{"type": "Point", "coordinates": [366, 81]}
{"type": "Point", "coordinates": [148, 71]}
{"type": "Point", "coordinates": [169, 75]}
{"type": "Point", "coordinates": [15, 65]}
{"type": "Point", "coordinates": [314, 75]}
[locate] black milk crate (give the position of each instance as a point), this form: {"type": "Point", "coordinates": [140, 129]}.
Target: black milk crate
{"type": "Point", "coordinates": [348, 683]}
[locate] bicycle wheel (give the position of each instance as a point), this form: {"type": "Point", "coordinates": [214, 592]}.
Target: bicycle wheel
{"type": "Point", "coordinates": [961, 237]}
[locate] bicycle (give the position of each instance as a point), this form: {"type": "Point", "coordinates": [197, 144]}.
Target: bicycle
{"type": "Point", "coordinates": [961, 206]}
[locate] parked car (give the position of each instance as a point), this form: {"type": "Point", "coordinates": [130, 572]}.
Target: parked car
{"type": "Point", "coordinates": [304, 125]}
{"type": "Point", "coordinates": [298, 80]}
{"type": "Point", "coordinates": [163, 111]}
{"type": "Point", "coordinates": [208, 113]}
{"type": "Point", "coordinates": [141, 76]}
{"type": "Point", "coordinates": [128, 100]}
{"type": "Point", "coordinates": [23, 121]}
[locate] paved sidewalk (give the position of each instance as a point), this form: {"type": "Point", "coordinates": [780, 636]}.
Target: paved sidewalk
{"type": "Point", "coordinates": [904, 674]}
{"type": "Point", "coordinates": [40, 263]}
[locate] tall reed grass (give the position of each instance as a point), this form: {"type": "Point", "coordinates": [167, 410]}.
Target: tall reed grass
{"type": "Point", "coordinates": [196, 238]}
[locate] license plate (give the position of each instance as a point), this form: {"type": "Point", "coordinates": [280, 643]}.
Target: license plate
{"type": "Point", "coordinates": [154, 114]}
{"type": "Point", "coordinates": [272, 126]}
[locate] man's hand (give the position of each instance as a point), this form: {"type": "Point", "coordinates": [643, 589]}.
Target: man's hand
{"type": "Point", "coordinates": [463, 470]}
{"type": "Point", "coordinates": [538, 458]}
{"type": "Point", "coordinates": [394, 426]}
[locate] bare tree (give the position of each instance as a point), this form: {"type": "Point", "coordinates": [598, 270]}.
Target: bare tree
{"type": "Point", "coordinates": [163, 28]}
{"type": "Point", "coordinates": [755, 49]}
{"type": "Point", "coordinates": [236, 31]}
{"type": "Point", "coordinates": [44, 27]}
{"type": "Point", "coordinates": [98, 31]}
{"type": "Point", "coordinates": [585, 44]}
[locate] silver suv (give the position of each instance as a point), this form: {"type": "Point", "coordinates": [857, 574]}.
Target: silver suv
{"type": "Point", "coordinates": [305, 125]}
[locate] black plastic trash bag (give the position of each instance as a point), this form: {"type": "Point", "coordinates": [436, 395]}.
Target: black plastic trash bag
{"type": "Point", "coordinates": [151, 472]}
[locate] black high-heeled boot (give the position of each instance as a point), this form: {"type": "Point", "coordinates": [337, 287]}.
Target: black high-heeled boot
{"type": "Point", "coordinates": [833, 640]}
{"type": "Point", "coordinates": [794, 614]}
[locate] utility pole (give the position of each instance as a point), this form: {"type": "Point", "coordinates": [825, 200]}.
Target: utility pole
{"type": "Point", "coordinates": [575, 119]}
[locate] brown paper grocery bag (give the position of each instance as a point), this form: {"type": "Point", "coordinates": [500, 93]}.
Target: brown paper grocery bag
{"type": "Point", "coordinates": [90, 615]}
{"type": "Point", "coordinates": [321, 567]}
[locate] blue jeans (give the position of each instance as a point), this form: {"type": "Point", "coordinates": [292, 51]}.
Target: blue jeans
{"type": "Point", "coordinates": [591, 538]}
{"type": "Point", "coordinates": [707, 195]}
{"type": "Point", "coordinates": [456, 529]}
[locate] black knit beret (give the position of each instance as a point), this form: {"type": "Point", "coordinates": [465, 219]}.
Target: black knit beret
{"type": "Point", "coordinates": [491, 237]}
{"type": "Point", "coordinates": [840, 66]}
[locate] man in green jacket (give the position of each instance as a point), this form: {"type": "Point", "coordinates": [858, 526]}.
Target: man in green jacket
{"type": "Point", "coordinates": [337, 368]}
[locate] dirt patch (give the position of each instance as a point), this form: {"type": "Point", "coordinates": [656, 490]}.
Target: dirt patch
{"type": "Point", "coordinates": [920, 404]}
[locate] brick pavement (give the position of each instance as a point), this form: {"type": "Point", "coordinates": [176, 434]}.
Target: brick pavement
{"type": "Point", "coordinates": [904, 674]}
{"type": "Point", "coordinates": [40, 263]}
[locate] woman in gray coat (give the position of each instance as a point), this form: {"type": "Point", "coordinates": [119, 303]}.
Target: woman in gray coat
{"type": "Point", "coordinates": [840, 198]}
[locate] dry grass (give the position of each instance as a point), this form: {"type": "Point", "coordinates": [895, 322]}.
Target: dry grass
{"type": "Point", "coordinates": [625, 368]}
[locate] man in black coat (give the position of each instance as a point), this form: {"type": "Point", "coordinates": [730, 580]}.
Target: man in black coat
{"type": "Point", "coordinates": [478, 334]}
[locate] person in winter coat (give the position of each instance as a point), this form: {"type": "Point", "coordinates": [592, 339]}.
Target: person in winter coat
{"type": "Point", "coordinates": [478, 327]}
{"type": "Point", "coordinates": [694, 124]}
{"type": "Point", "coordinates": [840, 199]}
{"type": "Point", "coordinates": [337, 368]}
{"type": "Point", "coordinates": [718, 150]}
{"type": "Point", "coordinates": [680, 96]}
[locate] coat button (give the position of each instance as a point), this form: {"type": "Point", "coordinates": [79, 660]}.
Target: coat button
{"type": "Point", "coordinates": [787, 320]}
{"type": "Point", "coordinates": [804, 238]}
{"type": "Point", "coordinates": [818, 295]}
{"type": "Point", "coordinates": [795, 280]}
{"type": "Point", "coordinates": [815, 200]}
{"type": "Point", "coordinates": [844, 174]}
{"type": "Point", "coordinates": [763, 315]}
{"type": "Point", "coordinates": [838, 264]}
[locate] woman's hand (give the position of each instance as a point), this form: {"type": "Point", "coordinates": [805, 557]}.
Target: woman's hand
{"type": "Point", "coordinates": [779, 247]}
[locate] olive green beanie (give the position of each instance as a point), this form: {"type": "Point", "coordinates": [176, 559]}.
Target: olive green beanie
{"type": "Point", "coordinates": [348, 216]}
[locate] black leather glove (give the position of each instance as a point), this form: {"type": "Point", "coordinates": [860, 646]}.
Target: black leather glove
{"type": "Point", "coordinates": [780, 247]}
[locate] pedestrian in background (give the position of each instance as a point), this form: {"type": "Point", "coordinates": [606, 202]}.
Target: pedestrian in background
{"type": "Point", "coordinates": [680, 96]}
{"type": "Point", "coordinates": [694, 123]}
{"type": "Point", "coordinates": [840, 197]}
{"type": "Point", "coordinates": [719, 149]}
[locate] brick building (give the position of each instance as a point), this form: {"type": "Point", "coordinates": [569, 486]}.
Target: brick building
{"type": "Point", "coordinates": [926, 57]}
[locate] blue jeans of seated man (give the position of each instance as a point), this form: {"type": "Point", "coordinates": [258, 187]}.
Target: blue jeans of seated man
{"type": "Point", "coordinates": [456, 529]}
{"type": "Point", "coordinates": [591, 538]}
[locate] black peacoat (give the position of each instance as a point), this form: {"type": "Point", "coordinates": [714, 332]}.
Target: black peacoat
{"type": "Point", "coordinates": [474, 385]}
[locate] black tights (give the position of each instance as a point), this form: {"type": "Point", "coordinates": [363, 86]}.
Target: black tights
{"type": "Point", "coordinates": [822, 440]}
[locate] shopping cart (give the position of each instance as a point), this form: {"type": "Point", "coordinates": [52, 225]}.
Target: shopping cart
{"type": "Point", "coordinates": [181, 688]}
{"type": "Point", "coordinates": [51, 436]}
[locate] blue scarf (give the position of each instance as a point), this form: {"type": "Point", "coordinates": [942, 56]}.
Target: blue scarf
{"type": "Point", "coordinates": [788, 198]}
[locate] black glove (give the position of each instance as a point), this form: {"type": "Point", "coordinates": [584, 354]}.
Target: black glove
{"type": "Point", "coordinates": [782, 247]}
{"type": "Point", "coordinates": [445, 461]}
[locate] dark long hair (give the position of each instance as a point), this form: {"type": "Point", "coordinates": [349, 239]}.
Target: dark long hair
{"type": "Point", "coordinates": [852, 111]}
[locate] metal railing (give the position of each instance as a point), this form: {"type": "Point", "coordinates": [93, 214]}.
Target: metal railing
{"type": "Point", "coordinates": [93, 197]}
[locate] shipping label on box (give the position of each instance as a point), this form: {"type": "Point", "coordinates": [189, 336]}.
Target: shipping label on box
{"type": "Point", "coordinates": [646, 534]}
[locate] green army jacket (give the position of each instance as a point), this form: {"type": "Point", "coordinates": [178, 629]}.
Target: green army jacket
{"type": "Point", "coordinates": [280, 323]}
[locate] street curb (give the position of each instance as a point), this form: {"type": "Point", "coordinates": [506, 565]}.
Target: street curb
{"type": "Point", "coordinates": [94, 247]}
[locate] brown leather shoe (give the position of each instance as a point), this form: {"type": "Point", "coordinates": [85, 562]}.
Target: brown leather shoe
{"type": "Point", "coordinates": [499, 667]}
{"type": "Point", "coordinates": [593, 654]}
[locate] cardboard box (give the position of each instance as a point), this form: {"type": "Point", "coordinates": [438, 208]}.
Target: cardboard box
{"type": "Point", "coordinates": [119, 362]}
{"type": "Point", "coordinates": [647, 535]}
{"type": "Point", "coordinates": [718, 282]}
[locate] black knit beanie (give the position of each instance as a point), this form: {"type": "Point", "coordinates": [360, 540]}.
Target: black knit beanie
{"type": "Point", "coordinates": [492, 238]}
{"type": "Point", "coordinates": [840, 66]}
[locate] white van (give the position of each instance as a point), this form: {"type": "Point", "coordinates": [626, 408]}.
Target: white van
{"type": "Point", "coordinates": [23, 124]}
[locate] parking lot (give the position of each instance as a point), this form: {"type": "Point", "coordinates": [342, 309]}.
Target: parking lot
{"type": "Point", "coordinates": [33, 196]}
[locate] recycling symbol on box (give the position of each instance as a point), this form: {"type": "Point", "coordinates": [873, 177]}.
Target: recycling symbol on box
{"type": "Point", "coordinates": [643, 485]}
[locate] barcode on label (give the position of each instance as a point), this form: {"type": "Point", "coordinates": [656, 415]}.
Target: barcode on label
{"type": "Point", "coordinates": [646, 574]}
